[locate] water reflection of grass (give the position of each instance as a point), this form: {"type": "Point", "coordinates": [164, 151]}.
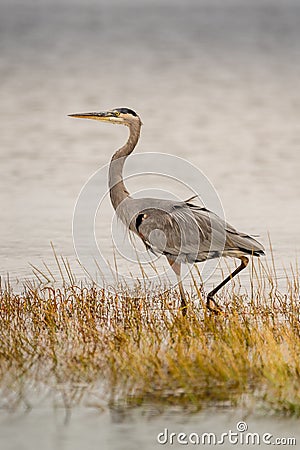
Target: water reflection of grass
{"type": "Point", "coordinates": [83, 343]}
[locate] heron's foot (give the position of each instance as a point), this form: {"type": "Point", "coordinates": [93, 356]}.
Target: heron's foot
{"type": "Point", "coordinates": [213, 306]}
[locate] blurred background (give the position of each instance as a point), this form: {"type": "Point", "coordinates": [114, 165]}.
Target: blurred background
{"type": "Point", "coordinates": [215, 81]}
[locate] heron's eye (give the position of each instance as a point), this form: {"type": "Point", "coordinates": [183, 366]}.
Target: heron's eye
{"type": "Point", "coordinates": [117, 113]}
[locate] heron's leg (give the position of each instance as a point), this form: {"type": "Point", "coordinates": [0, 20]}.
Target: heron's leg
{"type": "Point", "coordinates": [177, 269]}
{"type": "Point", "coordinates": [211, 304]}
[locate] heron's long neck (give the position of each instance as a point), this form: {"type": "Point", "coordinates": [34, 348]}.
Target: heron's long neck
{"type": "Point", "coordinates": [118, 191]}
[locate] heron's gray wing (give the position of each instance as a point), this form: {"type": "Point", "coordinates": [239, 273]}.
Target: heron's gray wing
{"type": "Point", "coordinates": [191, 233]}
{"type": "Point", "coordinates": [224, 235]}
{"type": "Point", "coordinates": [180, 230]}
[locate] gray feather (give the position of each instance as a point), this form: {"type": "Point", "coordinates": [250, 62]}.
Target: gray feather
{"type": "Point", "coordinates": [184, 231]}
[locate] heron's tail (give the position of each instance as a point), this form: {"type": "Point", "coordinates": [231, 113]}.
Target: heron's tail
{"type": "Point", "coordinates": [244, 243]}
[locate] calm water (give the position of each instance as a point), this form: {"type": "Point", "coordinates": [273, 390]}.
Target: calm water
{"type": "Point", "coordinates": [94, 430]}
{"type": "Point", "coordinates": [215, 82]}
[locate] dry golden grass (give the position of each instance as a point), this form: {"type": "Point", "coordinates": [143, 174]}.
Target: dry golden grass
{"type": "Point", "coordinates": [88, 345]}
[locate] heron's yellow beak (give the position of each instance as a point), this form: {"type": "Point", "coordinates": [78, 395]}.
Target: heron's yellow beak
{"type": "Point", "coordinates": [107, 116]}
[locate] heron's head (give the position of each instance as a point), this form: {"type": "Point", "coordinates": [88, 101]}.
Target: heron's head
{"type": "Point", "coordinates": [122, 116]}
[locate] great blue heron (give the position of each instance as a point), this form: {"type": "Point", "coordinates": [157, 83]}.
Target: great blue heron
{"type": "Point", "coordinates": [182, 231]}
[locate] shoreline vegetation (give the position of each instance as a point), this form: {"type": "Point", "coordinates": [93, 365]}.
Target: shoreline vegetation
{"type": "Point", "coordinates": [90, 347]}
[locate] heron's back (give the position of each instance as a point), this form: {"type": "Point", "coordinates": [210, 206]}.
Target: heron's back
{"type": "Point", "coordinates": [184, 231]}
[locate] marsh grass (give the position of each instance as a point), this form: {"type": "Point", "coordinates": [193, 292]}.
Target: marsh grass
{"type": "Point", "coordinates": [85, 345]}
